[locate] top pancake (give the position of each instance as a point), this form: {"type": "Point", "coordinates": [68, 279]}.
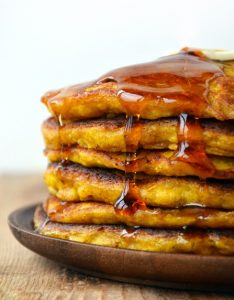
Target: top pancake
{"type": "Point", "coordinates": [186, 82]}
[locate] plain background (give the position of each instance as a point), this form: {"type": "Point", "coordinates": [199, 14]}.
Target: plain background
{"type": "Point", "coordinates": [52, 43]}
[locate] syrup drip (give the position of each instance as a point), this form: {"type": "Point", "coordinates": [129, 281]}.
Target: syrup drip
{"type": "Point", "coordinates": [130, 200]}
{"type": "Point", "coordinates": [191, 147]}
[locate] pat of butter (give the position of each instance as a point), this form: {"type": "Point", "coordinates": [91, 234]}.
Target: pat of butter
{"type": "Point", "coordinates": [216, 54]}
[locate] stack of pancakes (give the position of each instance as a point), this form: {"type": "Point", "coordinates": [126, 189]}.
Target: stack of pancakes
{"type": "Point", "coordinates": [143, 158]}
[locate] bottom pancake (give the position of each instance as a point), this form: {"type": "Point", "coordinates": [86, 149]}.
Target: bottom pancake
{"type": "Point", "coordinates": [102, 213]}
{"type": "Point", "coordinates": [203, 242]}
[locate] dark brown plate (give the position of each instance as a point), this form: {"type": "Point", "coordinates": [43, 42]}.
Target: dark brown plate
{"type": "Point", "coordinates": [161, 269]}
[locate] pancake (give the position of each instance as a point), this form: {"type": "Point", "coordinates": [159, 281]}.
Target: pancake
{"type": "Point", "coordinates": [101, 213]}
{"type": "Point", "coordinates": [186, 82]}
{"type": "Point", "coordinates": [203, 242]}
{"type": "Point", "coordinates": [73, 182]}
{"type": "Point", "coordinates": [108, 135]}
{"type": "Point", "coordinates": [149, 162]}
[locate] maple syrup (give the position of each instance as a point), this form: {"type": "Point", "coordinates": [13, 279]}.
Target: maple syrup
{"type": "Point", "coordinates": [191, 146]}
{"type": "Point", "coordinates": [180, 81]}
{"type": "Point", "coordinates": [130, 200]}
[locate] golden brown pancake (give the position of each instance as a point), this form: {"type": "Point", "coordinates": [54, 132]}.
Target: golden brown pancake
{"type": "Point", "coordinates": [108, 135]}
{"type": "Point", "coordinates": [186, 82]}
{"type": "Point", "coordinates": [73, 182]}
{"type": "Point", "coordinates": [153, 162]}
{"type": "Point", "coordinates": [101, 213]}
{"type": "Point", "coordinates": [203, 242]}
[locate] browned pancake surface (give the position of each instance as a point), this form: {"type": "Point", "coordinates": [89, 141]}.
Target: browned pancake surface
{"type": "Point", "coordinates": [101, 213]}
{"type": "Point", "coordinates": [108, 135]}
{"type": "Point", "coordinates": [186, 82]}
{"type": "Point", "coordinates": [152, 162]}
{"type": "Point", "coordinates": [73, 182]}
{"type": "Point", "coordinates": [203, 242]}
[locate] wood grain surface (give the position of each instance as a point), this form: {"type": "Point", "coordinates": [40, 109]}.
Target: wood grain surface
{"type": "Point", "coordinates": [25, 275]}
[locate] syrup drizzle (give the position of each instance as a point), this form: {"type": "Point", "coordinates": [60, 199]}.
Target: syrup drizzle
{"type": "Point", "coordinates": [191, 146]}
{"type": "Point", "coordinates": [184, 76]}
{"type": "Point", "coordinates": [130, 200]}
{"type": "Point", "coordinates": [176, 83]}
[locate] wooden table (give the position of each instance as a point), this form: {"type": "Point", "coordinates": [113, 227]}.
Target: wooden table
{"type": "Point", "coordinates": [26, 275]}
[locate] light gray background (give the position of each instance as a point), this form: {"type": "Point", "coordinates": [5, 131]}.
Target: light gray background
{"type": "Point", "coordinates": [52, 43]}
